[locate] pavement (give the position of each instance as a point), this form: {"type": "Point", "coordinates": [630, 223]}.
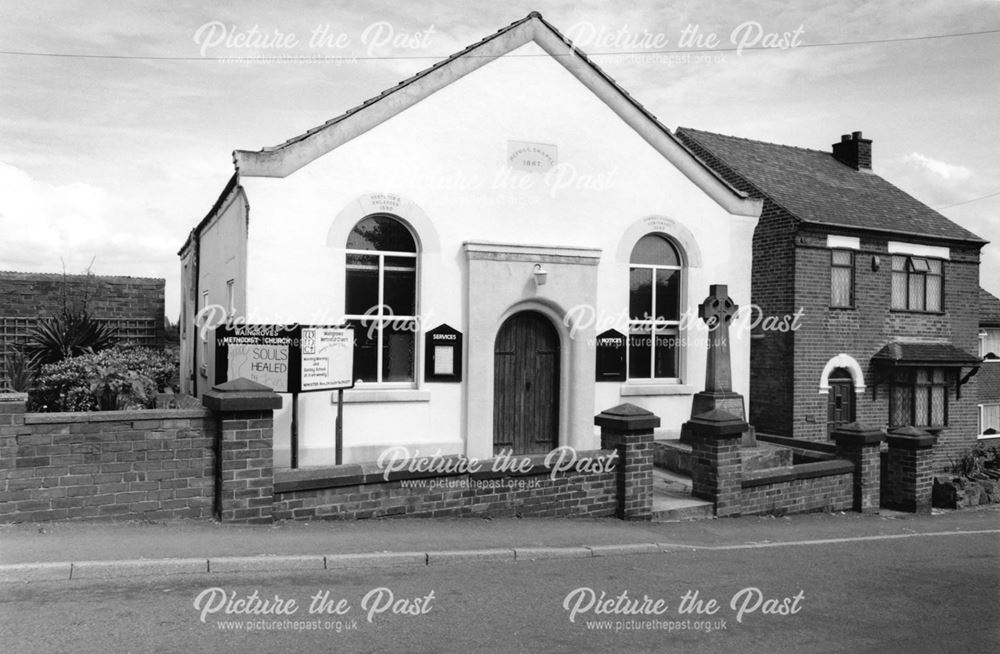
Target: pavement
{"type": "Point", "coordinates": [65, 551]}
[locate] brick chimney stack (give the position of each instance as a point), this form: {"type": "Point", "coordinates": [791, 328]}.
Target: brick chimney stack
{"type": "Point", "coordinates": [854, 151]}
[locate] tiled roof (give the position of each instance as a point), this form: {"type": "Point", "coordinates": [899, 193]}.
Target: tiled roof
{"type": "Point", "coordinates": [989, 309]}
{"type": "Point", "coordinates": [816, 188]}
{"type": "Point", "coordinates": [924, 353]}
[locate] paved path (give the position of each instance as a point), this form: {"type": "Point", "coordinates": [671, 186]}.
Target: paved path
{"type": "Point", "coordinates": [65, 551]}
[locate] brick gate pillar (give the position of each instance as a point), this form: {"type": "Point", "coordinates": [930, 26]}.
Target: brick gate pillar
{"type": "Point", "coordinates": [11, 426]}
{"type": "Point", "coordinates": [909, 470]}
{"type": "Point", "coordinates": [860, 445]}
{"type": "Point", "coordinates": [244, 450]}
{"type": "Point", "coordinates": [716, 464]}
{"type": "Point", "coordinates": [628, 429]}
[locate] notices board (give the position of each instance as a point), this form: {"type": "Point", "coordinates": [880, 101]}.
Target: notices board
{"type": "Point", "coordinates": [610, 356]}
{"type": "Point", "coordinates": [443, 346]}
{"type": "Point", "coordinates": [287, 358]}
{"type": "Point", "coordinates": [327, 358]}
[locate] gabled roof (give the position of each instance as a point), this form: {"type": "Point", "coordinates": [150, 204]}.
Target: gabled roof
{"type": "Point", "coordinates": [816, 188]}
{"type": "Point", "coordinates": [284, 159]}
{"type": "Point", "coordinates": [989, 309]}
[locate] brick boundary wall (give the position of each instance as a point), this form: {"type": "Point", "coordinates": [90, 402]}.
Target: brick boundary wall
{"type": "Point", "coordinates": [218, 461]}
{"type": "Point", "coordinates": [115, 464]}
{"type": "Point", "coordinates": [41, 295]}
{"type": "Point", "coordinates": [362, 492]}
{"type": "Point", "coordinates": [842, 477]}
{"type": "Point", "coordinates": [800, 491]}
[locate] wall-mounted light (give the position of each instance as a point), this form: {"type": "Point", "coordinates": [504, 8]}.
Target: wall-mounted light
{"type": "Point", "coordinates": [541, 275]}
{"type": "Point", "coordinates": [876, 263]}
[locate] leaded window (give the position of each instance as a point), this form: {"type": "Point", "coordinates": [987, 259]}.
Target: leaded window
{"type": "Point", "coordinates": [917, 284]}
{"type": "Point", "coordinates": [919, 397]}
{"type": "Point", "coordinates": [842, 278]}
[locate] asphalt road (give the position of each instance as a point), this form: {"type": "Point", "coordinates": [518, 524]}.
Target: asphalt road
{"type": "Point", "coordinates": [919, 594]}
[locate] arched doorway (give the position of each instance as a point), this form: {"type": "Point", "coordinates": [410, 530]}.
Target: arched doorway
{"type": "Point", "coordinates": [526, 385]}
{"type": "Point", "coordinates": [840, 408]}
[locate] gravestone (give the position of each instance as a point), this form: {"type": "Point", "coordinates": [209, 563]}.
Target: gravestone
{"type": "Point", "coordinates": [717, 311]}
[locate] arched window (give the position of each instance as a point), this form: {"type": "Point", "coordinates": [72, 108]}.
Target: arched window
{"type": "Point", "coordinates": [655, 273]}
{"type": "Point", "coordinates": [381, 299]}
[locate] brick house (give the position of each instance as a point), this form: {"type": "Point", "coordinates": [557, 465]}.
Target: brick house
{"type": "Point", "coordinates": [988, 378]}
{"type": "Point", "coordinates": [888, 289]}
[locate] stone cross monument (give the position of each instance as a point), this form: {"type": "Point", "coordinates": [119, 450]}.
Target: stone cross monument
{"type": "Point", "coordinates": [717, 312]}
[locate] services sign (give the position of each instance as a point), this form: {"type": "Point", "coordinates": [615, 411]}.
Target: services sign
{"type": "Point", "coordinates": [287, 358]}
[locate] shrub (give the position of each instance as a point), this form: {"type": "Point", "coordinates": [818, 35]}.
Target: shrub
{"type": "Point", "coordinates": [70, 334]}
{"type": "Point", "coordinates": [20, 370]}
{"type": "Point", "coordinates": [121, 377]}
{"type": "Point", "coordinates": [977, 460]}
{"type": "Point", "coordinates": [64, 386]}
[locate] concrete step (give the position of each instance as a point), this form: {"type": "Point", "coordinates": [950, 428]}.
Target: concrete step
{"type": "Point", "coordinates": [681, 509]}
{"type": "Point", "coordinates": [672, 501]}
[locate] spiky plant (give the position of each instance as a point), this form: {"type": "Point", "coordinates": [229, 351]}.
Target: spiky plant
{"type": "Point", "coordinates": [68, 335]}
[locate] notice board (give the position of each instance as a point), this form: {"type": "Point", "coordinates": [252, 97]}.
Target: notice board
{"type": "Point", "coordinates": [287, 358]}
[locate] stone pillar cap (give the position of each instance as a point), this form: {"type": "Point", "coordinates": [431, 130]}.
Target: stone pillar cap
{"type": "Point", "coordinates": [241, 395]}
{"type": "Point", "coordinates": [856, 433]}
{"type": "Point", "coordinates": [627, 417]}
{"type": "Point", "coordinates": [718, 423]}
{"type": "Point", "coordinates": [911, 438]}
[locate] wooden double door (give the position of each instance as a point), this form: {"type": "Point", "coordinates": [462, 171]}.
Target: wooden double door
{"type": "Point", "coordinates": [526, 385]}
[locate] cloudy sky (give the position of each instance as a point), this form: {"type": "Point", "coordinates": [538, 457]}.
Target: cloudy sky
{"type": "Point", "coordinates": [114, 153]}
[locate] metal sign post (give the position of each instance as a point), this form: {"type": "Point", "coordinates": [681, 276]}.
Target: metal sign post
{"type": "Point", "coordinates": [295, 431]}
{"type": "Point", "coordinates": [338, 452]}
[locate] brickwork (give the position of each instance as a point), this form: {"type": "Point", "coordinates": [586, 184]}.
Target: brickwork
{"type": "Point", "coordinates": [861, 446]}
{"type": "Point", "coordinates": [580, 495]}
{"type": "Point", "coordinates": [628, 430]}
{"type": "Point", "coordinates": [634, 468]}
{"type": "Point", "coordinates": [909, 473]}
{"type": "Point", "coordinates": [246, 491]}
{"type": "Point", "coordinates": [865, 329]}
{"type": "Point", "coordinates": [716, 465]}
{"type": "Point", "coordinates": [41, 295]}
{"type": "Point", "coordinates": [120, 464]}
{"type": "Point", "coordinates": [772, 290]}
{"type": "Point", "coordinates": [826, 493]}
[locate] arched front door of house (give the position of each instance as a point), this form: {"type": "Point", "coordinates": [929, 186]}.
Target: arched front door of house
{"type": "Point", "coordinates": [840, 410]}
{"type": "Point", "coordinates": [526, 385]}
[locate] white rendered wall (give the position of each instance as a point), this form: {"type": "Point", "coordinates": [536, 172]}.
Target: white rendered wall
{"type": "Point", "coordinates": [222, 257]}
{"type": "Point", "coordinates": [445, 158]}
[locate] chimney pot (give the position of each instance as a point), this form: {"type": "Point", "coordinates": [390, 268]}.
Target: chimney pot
{"type": "Point", "coordinates": [854, 151]}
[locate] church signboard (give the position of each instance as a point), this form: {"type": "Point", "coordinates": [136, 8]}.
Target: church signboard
{"type": "Point", "coordinates": [287, 358]}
